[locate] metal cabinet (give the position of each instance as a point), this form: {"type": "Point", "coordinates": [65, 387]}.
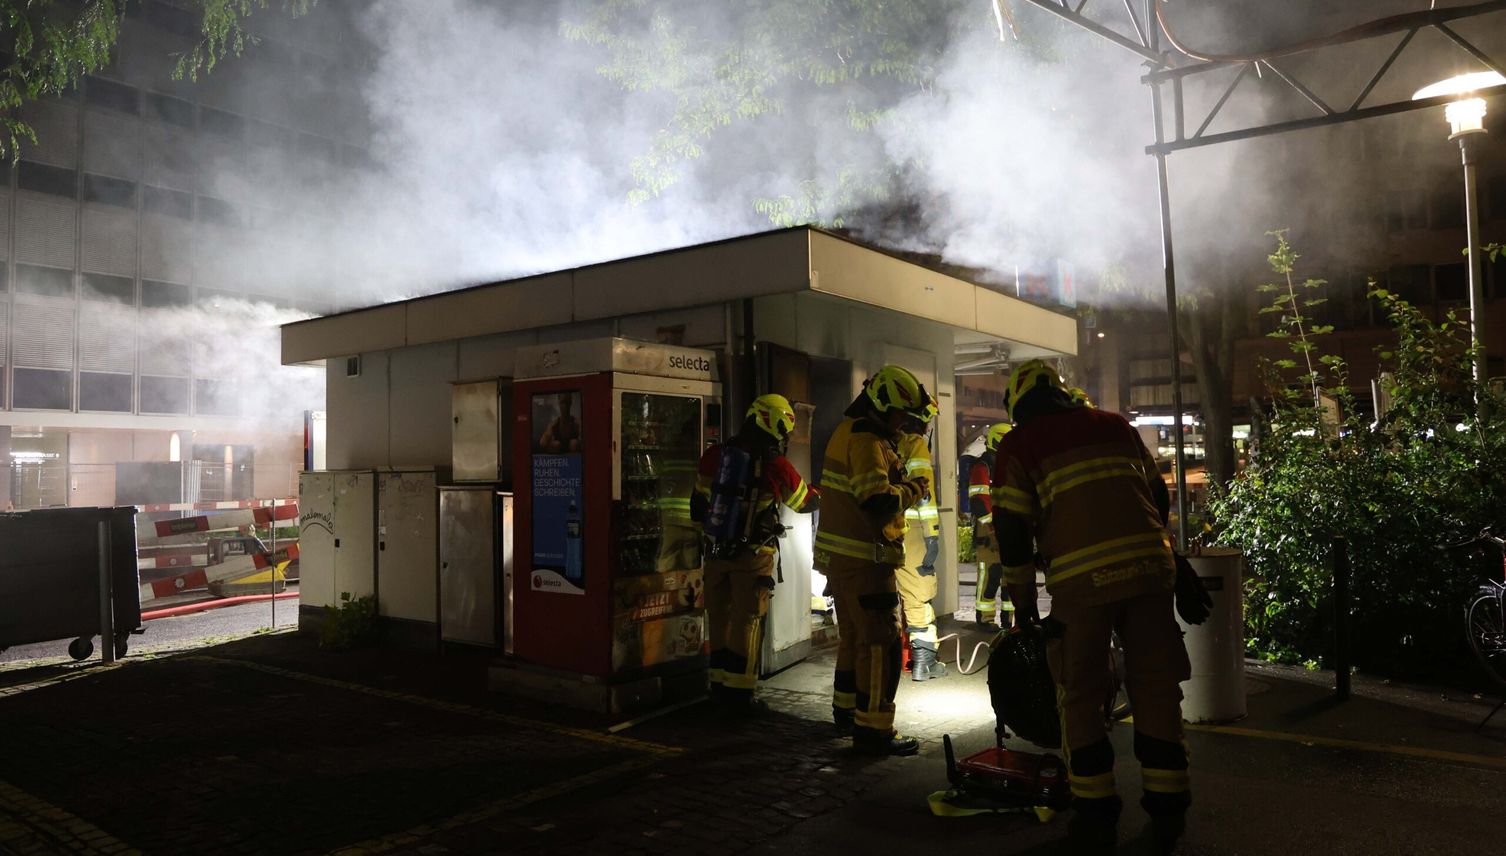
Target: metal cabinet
{"type": "Point", "coordinates": [475, 566]}
{"type": "Point", "coordinates": [336, 529]}
{"type": "Point", "coordinates": [407, 539]}
{"type": "Point", "coordinates": [480, 430]}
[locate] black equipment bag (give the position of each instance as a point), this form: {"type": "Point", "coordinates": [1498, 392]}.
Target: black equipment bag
{"type": "Point", "coordinates": [1021, 689]}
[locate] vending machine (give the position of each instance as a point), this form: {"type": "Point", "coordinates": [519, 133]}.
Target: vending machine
{"type": "Point", "coordinates": [608, 580]}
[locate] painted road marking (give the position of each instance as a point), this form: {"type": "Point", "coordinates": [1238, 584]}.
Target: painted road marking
{"type": "Point", "coordinates": [1489, 761]}
{"type": "Point", "coordinates": [657, 749]}
{"type": "Point", "coordinates": [61, 829]}
{"type": "Point", "coordinates": [1358, 745]}
{"type": "Point", "coordinates": [502, 806]}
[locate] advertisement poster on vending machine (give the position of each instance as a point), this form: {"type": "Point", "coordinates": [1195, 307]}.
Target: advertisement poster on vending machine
{"type": "Point", "coordinates": [558, 545]}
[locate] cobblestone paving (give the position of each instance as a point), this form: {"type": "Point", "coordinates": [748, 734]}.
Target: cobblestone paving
{"type": "Point", "coordinates": [274, 747]}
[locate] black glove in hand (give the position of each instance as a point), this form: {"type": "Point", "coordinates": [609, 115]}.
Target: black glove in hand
{"type": "Point", "coordinates": [1194, 604]}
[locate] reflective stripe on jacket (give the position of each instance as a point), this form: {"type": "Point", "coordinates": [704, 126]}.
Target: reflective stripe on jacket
{"type": "Point", "coordinates": [859, 464]}
{"type": "Point", "coordinates": [1082, 479]}
{"type": "Point", "coordinates": [916, 455]}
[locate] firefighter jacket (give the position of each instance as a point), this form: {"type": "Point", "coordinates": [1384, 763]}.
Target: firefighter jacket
{"type": "Point", "coordinates": [980, 494]}
{"type": "Point", "coordinates": [779, 482]}
{"type": "Point", "coordinates": [1082, 483]}
{"type": "Point", "coordinates": [864, 496]}
{"type": "Point", "coordinates": [916, 454]}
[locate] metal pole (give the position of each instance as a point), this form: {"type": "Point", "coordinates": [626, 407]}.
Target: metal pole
{"type": "Point", "coordinates": [106, 599]}
{"type": "Point", "coordinates": [1339, 555]}
{"type": "Point", "coordinates": [1168, 263]}
{"type": "Point", "coordinates": [273, 558]}
{"type": "Point", "coordinates": [1476, 281]}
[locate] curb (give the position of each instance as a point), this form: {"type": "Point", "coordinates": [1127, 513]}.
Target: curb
{"type": "Point", "coordinates": [204, 606]}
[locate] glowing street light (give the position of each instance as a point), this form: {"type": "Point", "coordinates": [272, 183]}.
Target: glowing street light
{"type": "Point", "coordinates": [1466, 121]}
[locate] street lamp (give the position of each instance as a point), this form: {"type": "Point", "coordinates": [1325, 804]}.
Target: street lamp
{"type": "Point", "coordinates": [1466, 121]}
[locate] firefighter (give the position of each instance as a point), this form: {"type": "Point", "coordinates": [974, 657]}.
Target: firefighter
{"type": "Point", "coordinates": [746, 479]}
{"type": "Point", "coordinates": [860, 545]}
{"type": "Point", "coordinates": [1078, 487]}
{"type": "Point", "coordinates": [917, 576]}
{"type": "Point", "coordinates": [986, 606]}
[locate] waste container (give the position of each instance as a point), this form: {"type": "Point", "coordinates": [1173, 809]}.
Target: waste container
{"type": "Point", "coordinates": [50, 577]}
{"type": "Point", "coordinates": [1216, 690]}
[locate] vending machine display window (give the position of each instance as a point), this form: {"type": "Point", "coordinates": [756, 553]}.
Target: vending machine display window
{"type": "Point", "coordinates": [661, 446]}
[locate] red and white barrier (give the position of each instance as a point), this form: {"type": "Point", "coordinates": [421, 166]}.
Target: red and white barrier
{"type": "Point", "coordinates": [216, 506]}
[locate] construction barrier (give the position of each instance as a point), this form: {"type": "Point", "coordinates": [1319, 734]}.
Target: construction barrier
{"type": "Point", "coordinates": [183, 555]}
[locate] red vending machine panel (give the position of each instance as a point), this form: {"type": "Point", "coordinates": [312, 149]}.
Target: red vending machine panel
{"type": "Point", "coordinates": [563, 523]}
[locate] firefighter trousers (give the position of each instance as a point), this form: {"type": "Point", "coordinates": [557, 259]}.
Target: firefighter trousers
{"type": "Point", "coordinates": [869, 648]}
{"type": "Point", "coordinates": [737, 599]}
{"type": "Point", "coordinates": [1155, 665]}
{"type": "Point", "coordinates": [990, 588]}
{"type": "Point", "coordinates": [916, 579]}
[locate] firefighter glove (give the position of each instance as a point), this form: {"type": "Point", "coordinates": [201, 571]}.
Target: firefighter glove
{"type": "Point", "coordinates": [1194, 604]}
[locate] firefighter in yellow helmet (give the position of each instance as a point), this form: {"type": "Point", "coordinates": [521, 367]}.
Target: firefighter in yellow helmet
{"type": "Point", "coordinates": [859, 546]}
{"type": "Point", "coordinates": [917, 576]}
{"type": "Point", "coordinates": [740, 485]}
{"type": "Point", "coordinates": [987, 607]}
{"type": "Point", "coordinates": [1077, 486]}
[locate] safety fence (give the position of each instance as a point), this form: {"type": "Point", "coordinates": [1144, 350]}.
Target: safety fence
{"type": "Point", "coordinates": [221, 549]}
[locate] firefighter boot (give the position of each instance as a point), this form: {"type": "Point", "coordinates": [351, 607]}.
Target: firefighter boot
{"type": "Point", "coordinates": [1094, 827]}
{"type": "Point", "coordinates": [924, 664]}
{"type": "Point", "coordinates": [842, 718]}
{"type": "Point", "coordinates": [871, 741]}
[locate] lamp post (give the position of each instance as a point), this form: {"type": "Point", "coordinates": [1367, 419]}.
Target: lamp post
{"type": "Point", "coordinates": [1466, 121]}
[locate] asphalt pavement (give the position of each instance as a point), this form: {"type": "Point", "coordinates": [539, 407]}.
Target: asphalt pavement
{"type": "Point", "coordinates": [199, 628]}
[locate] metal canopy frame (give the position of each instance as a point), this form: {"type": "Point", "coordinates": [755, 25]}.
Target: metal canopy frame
{"type": "Point", "coordinates": [1169, 68]}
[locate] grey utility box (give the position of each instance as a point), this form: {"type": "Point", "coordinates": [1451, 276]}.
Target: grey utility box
{"type": "Point", "coordinates": [481, 431]}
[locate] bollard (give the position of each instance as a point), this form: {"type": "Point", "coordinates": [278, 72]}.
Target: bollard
{"type": "Point", "coordinates": [106, 597]}
{"type": "Point", "coordinates": [1339, 555]}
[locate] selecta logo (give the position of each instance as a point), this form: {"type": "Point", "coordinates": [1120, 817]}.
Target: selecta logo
{"type": "Point", "coordinates": [538, 581]}
{"type": "Point", "coordinates": [685, 361]}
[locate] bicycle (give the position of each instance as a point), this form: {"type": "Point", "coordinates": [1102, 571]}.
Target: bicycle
{"type": "Point", "coordinates": [1485, 621]}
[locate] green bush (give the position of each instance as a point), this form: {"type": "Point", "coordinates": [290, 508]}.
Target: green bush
{"type": "Point", "coordinates": [352, 624]}
{"type": "Point", "coordinates": [965, 552]}
{"type": "Point", "coordinates": [1428, 473]}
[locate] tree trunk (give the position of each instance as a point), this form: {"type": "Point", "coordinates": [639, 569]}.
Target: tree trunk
{"type": "Point", "coordinates": [1210, 329]}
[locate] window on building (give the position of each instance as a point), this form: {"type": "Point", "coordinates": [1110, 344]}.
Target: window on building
{"type": "Point", "coordinates": [104, 391]}
{"type": "Point", "coordinates": [42, 178]}
{"type": "Point", "coordinates": [1415, 206]}
{"type": "Point", "coordinates": [173, 203]}
{"type": "Point", "coordinates": [173, 19]}
{"type": "Point", "coordinates": [316, 148]}
{"type": "Point", "coordinates": [356, 157]}
{"type": "Point", "coordinates": [164, 295]}
{"type": "Point", "coordinates": [109, 191]}
{"type": "Point", "coordinates": [1451, 281]}
{"type": "Point", "coordinates": [1495, 274]}
{"type": "Point", "coordinates": [1495, 196]}
{"type": "Point", "coordinates": [111, 95]}
{"type": "Point", "coordinates": [164, 394]}
{"type": "Point", "coordinates": [212, 121]}
{"type": "Point", "coordinates": [44, 281]}
{"type": "Point", "coordinates": [41, 389]}
{"type": "Point", "coordinates": [215, 398]}
{"type": "Point", "coordinates": [166, 108]}
{"type": "Point", "coordinates": [1410, 283]}
{"type": "Point", "coordinates": [267, 134]}
{"type": "Point", "coordinates": [4, 287]}
{"type": "Point", "coordinates": [1448, 209]}
{"type": "Point", "coordinates": [219, 211]}
{"type": "Point", "coordinates": [108, 289]}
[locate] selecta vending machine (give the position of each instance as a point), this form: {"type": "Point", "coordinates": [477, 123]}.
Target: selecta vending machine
{"type": "Point", "coordinates": [608, 566]}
